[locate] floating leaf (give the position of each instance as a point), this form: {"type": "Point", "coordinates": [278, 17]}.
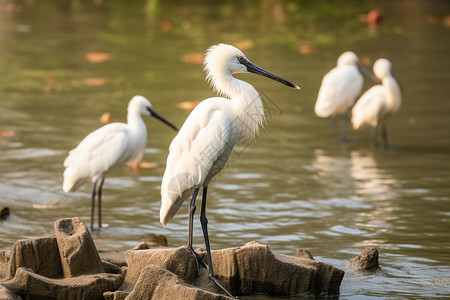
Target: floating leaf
{"type": "Point", "coordinates": [94, 81]}
{"type": "Point", "coordinates": [196, 58]}
{"type": "Point", "coordinates": [188, 105]}
{"type": "Point", "coordinates": [7, 133]}
{"type": "Point", "coordinates": [147, 165]}
{"type": "Point", "coordinates": [166, 25]}
{"type": "Point", "coordinates": [307, 49]}
{"type": "Point", "coordinates": [105, 117]}
{"type": "Point", "coordinates": [97, 57]}
{"type": "Point", "coordinates": [53, 205]}
{"type": "Point", "coordinates": [244, 45]}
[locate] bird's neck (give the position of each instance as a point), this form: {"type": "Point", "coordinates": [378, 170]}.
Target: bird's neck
{"type": "Point", "coordinates": [135, 122]}
{"type": "Point", "coordinates": [248, 107]}
{"type": "Point", "coordinates": [394, 96]}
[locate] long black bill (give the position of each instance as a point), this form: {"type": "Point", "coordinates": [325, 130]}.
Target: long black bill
{"type": "Point", "coordinates": [252, 68]}
{"type": "Point", "coordinates": [368, 73]}
{"type": "Point", "coordinates": [154, 114]}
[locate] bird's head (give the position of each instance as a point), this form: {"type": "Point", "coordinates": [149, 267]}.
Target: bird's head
{"type": "Point", "coordinates": [382, 68]}
{"type": "Point", "coordinates": [223, 59]}
{"type": "Point", "coordinates": [141, 105]}
{"type": "Point", "coordinates": [347, 58]}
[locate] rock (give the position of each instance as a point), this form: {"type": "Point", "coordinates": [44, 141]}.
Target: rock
{"type": "Point", "coordinates": [304, 254]}
{"type": "Point", "coordinates": [4, 264]}
{"type": "Point", "coordinates": [250, 269]}
{"type": "Point", "coordinates": [66, 266]}
{"type": "Point", "coordinates": [6, 294]}
{"type": "Point", "coordinates": [366, 260]}
{"type": "Point", "coordinates": [168, 286]}
{"type": "Point", "coordinates": [41, 255]}
{"type": "Point", "coordinates": [253, 269]}
{"type": "Point", "coordinates": [4, 212]}
{"type": "Point", "coordinates": [154, 240]}
{"type": "Point", "coordinates": [114, 257]}
{"type": "Point", "coordinates": [176, 260]}
{"type": "Point", "coordinates": [78, 253]}
{"type": "Point", "coordinates": [37, 287]}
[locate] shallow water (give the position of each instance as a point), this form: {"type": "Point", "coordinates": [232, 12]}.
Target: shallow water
{"type": "Point", "coordinates": [296, 187]}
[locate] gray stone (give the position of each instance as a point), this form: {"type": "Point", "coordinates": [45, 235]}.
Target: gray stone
{"type": "Point", "coordinates": [78, 253]}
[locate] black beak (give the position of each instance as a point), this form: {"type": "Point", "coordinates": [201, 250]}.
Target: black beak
{"type": "Point", "coordinates": [252, 68]}
{"type": "Point", "coordinates": [368, 73]}
{"type": "Point", "coordinates": [154, 114]}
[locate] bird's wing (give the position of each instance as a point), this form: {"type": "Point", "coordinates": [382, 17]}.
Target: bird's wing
{"type": "Point", "coordinates": [198, 152]}
{"type": "Point", "coordinates": [368, 108]}
{"type": "Point", "coordinates": [99, 152]}
{"type": "Point", "coordinates": [338, 91]}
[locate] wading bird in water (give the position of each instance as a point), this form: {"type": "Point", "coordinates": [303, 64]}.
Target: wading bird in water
{"type": "Point", "coordinates": [205, 141]}
{"type": "Point", "coordinates": [379, 102]}
{"type": "Point", "coordinates": [340, 88]}
{"type": "Point", "coordinates": [106, 148]}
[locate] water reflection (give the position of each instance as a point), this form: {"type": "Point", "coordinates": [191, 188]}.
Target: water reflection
{"type": "Point", "coordinates": [353, 181]}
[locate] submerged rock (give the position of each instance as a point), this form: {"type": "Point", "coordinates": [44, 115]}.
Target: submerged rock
{"type": "Point", "coordinates": [366, 260]}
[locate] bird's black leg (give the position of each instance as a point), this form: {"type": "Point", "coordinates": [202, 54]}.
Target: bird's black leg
{"type": "Point", "coordinates": [192, 208]}
{"type": "Point", "coordinates": [204, 222]}
{"type": "Point", "coordinates": [100, 203]}
{"type": "Point", "coordinates": [94, 191]}
{"type": "Point", "coordinates": [384, 136]}
{"type": "Point", "coordinates": [344, 126]}
{"type": "Point", "coordinates": [335, 125]}
{"type": "Point", "coordinates": [374, 136]}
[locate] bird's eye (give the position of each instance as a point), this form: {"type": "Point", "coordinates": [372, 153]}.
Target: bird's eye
{"type": "Point", "coordinates": [240, 58]}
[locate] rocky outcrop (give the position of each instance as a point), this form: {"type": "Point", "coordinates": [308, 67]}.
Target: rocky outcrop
{"type": "Point", "coordinates": [245, 270]}
{"type": "Point", "coordinates": [68, 266]}
{"type": "Point", "coordinates": [65, 266]}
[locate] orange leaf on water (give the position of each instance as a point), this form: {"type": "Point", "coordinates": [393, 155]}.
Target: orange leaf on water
{"type": "Point", "coordinates": [97, 57]}
{"type": "Point", "coordinates": [244, 45]}
{"type": "Point", "coordinates": [307, 49]}
{"type": "Point", "coordinates": [196, 58]}
{"type": "Point", "coordinates": [105, 117]}
{"type": "Point", "coordinates": [7, 133]}
{"type": "Point", "coordinates": [188, 105]}
{"type": "Point", "coordinates": [147, 165]}
{"type": "Point", "coordinates": [94, 81]}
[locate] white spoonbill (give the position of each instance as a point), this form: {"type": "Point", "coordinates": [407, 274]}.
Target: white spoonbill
{"type": "Point", "coordinates": [205, 141]}
{"type": "Point", "coordinates": [106, 148]}
{"type": "Point", "coordinates": [340, 88]}
{"type": "Point", "coordinates": [379, 102]}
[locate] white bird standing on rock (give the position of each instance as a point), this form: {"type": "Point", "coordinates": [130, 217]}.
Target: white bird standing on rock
{"type": "Point", "coordinates": [106, 148]}
{"type": "Point", "coordinates": [340, 88]}
{"type": "Point", "coordinates": [206, 139]}
{"type": "Point", "coordinates": [379, 102]}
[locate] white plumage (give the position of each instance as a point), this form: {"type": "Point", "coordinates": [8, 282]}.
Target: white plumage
{"type": "Point", "coordinates": [340, 87]}
{"type": "Point", "coordinates": [206, 139]}
{"type": "Point", "coordinates": [379, 102]}
{"type": "Point", "coordinates": [108, 147]}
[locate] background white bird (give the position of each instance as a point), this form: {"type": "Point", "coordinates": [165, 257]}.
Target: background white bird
{"type": "Point", "coordinates": [340, 88]}
{"type": "Point", "coordinates": [379, 102]}
{"type": "Point", "coordinates": [106, 148]}
{"type": "Point", "coordinates": [206, 139]}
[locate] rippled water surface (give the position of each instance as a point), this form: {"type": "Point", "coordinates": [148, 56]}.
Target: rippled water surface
{"type": "Point", "coordinates": [62, 66]}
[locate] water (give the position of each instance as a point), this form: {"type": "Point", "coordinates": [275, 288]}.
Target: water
{"type": "Point", "coordinates": [296, 187]}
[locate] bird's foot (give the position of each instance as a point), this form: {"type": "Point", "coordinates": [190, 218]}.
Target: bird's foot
{"type": "Point", "coordinates": [99, 227]}
{"type": "Point", "coordinates": [198, 259]}
{"type": "Point", "coordinates": [214, 279]}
